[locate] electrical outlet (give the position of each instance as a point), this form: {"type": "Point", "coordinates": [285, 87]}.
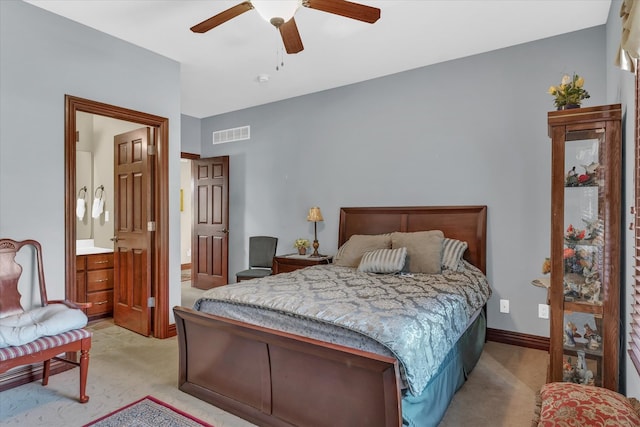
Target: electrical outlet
{"type": "Point", "coordinates": [504, 306]}
{"type": "Point", "coordinates": [543, 311]}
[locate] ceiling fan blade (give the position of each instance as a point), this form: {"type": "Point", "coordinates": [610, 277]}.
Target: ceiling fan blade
{"type": "Point", "coordinates": [222, 17]}
{"type": "Point", "coordinates": [291, 36]}
{"type": "Point", "coordinates": [344, 8]}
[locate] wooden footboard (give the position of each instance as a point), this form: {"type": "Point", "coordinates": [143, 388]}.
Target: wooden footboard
{"type": "Point", "coordinates": [272, 378]}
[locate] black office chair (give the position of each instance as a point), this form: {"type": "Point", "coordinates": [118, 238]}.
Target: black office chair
{"type": "Point", "coordinates": [262, 249]}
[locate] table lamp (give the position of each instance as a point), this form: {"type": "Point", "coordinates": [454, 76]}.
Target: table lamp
{"type": "Point", "coordinates": [315, 216]}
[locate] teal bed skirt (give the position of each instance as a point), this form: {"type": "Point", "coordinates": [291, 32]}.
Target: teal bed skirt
{"type": "Point", "coordinates": [428, 409]}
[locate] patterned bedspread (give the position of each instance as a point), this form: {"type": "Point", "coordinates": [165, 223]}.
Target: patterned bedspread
{"type": "Point", "coordinates": [416, 319]}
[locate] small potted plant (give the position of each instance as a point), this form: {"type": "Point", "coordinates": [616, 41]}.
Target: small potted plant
{"type": "Point", "coordinates": [569, 93]}
{"type": "Point", "coordinates": [301, 245]}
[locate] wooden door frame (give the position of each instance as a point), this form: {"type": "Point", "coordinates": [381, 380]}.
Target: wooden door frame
{"type": "Point", "coordinates": [160, 287]}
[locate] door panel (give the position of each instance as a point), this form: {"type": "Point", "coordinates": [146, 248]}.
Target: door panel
{"type": "Point", "coordinates": [132, 240]}
{"type": "Point", "coordinates": [210, 222]}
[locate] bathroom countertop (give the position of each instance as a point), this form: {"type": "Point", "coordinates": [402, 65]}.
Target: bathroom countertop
{"type": "Point", "coordinates": [92, 251]}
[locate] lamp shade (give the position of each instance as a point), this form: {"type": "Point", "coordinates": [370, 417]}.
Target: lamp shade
{"type": "Point", "coordinates": [269, 9]}
{"type": "Point", "coordinates": [315, 215]}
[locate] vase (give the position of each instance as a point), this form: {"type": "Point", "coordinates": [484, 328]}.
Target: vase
{"type": "Point", "coordinates": [568, 107]}
{"type": "Point", "coordinates": [302, 251]}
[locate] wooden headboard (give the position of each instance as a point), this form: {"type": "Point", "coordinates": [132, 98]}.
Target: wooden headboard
{"type": "Point", "coordinates": [466, 223]}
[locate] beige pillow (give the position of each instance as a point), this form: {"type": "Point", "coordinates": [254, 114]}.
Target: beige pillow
{"type": "Point", "coordinates": [424, 250]}
{"type": "Point", "coordinates": [350, 254]}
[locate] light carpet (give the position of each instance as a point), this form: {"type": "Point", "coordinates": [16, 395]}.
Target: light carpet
{"type": "Point", "coordinates": [185, 275]}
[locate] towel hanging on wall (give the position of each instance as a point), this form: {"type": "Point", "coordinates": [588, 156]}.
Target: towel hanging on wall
{"type": "Point", "coordinates": [81, 205]}
{"type": "Point", "coordinates": [98, 203]}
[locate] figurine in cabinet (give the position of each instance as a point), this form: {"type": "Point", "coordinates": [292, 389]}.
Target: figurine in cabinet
{"type": "Point", "coordinates": [568, 371]}
{"type": "Point", "coordinates": [591, 287]}
{"type": "Point", "coordinates": [593, 339]}
{"type": "Point", "coordinates": [571, 288]}
{"type": "Point", "coordinates": [570, 334]}
{"type": "Point", "coordinates": [578, 373]}
{"type": "Point", "coordinates": [583, 375]}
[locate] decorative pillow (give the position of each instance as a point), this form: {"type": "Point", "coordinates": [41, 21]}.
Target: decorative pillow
{"type": "Point", "coordinates": [383, 261]}
{"type": "Point", "coordinates": [424, 249]}
{"type": "Point", "coordinates": [452, 252]}
{"type": "Point", "coordinates": [350, 254]}
{"type": "Point", "coordinates": [569, 404]}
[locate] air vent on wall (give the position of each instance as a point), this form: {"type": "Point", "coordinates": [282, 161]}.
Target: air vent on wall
{"type": "Point", "coordinates": [229, 135]}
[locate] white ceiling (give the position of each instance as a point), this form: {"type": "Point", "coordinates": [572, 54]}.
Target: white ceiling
{"type": "Point", "coordinates": [220, 69]}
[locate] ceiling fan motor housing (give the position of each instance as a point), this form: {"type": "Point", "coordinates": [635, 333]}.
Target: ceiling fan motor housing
{"type": "Point", "coordinates": [280, 10]}
{"type": "Point", "coordinates": [276, 21]}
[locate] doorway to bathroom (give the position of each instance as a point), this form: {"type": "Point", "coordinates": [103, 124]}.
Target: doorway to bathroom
{"type": "Point", "coordinates": [155, 227]}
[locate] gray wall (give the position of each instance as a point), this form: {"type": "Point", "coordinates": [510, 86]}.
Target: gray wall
{"type": "Point", "coordinates": [620, 88]}
{"type": "Point", "coordinates": [44, 57]}
{"type": "Point", "coordinates": [470, 131]}
{"type": "Point", "coordinates": [190, 138]}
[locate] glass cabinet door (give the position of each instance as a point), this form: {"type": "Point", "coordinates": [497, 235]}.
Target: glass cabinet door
{"type": "Point", "coordinates": [582, 258]}
{"type": "Point", "coordinates": [585, 247]}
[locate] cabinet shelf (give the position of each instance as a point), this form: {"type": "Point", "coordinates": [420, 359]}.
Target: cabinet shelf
{"type": "Point", "coordinates": [583, 307]}
{"type": "Point", "coordinates": [582, 186]}
{"type": "Point", "coordinates": [589, 353]}
{"type": "Point", "coordinates": [584, 293]}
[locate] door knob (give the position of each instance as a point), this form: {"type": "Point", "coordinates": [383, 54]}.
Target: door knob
{"type": "Point", "coordinates": [224, 230]}
{"type": "Point", "coordinates": [114, 239]}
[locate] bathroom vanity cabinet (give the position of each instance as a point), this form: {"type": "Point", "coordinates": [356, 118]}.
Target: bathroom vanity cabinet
{"type": "Point", "coordinates": [94, 283]}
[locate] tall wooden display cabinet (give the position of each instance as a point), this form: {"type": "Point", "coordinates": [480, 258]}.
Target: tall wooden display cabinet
{"type": "Point", "coordinates": [584, 295]}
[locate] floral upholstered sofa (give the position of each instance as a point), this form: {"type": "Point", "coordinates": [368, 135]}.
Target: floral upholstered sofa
{"type": "Point", "coordinates": [568, 404]}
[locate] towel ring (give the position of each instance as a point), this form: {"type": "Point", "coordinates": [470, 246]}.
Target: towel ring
{"type": "Point", "coordinates": [101, 189]}
{"type": "Point", "coordinates": [81, 190]}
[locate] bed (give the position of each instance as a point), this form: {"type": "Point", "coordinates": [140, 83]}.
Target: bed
{"type": "Point", "coordinates": [274, 377]}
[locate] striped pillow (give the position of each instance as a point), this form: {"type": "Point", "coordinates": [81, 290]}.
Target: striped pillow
{"type": "Point", "coordinates": [383, 261]}
{"type": "Point", "coordinates": [452, 252]}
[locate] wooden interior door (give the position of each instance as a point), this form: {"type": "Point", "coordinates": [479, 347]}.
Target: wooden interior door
{"type": "Point", "coordinates": [209, 240]}
{"type": "Point", "coordinates": [133, 227]}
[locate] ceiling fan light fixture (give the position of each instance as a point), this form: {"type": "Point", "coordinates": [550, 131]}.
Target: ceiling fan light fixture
{"type": "Point", "coordinates": [271, 9]}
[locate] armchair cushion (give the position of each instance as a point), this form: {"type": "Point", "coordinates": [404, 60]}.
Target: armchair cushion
{"type": "Point", "coordinates": [42, 344]}
{"type": "Point", "coordinates": [563, 404]}
{"type": "Point", "coordinates": [50, 320]}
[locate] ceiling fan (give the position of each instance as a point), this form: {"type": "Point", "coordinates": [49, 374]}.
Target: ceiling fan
{"type": "Point", "coordinates": [280, 15]}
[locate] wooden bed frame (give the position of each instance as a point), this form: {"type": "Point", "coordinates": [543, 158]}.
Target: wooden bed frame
{"type": "Point", "coordinates": [272, 378]}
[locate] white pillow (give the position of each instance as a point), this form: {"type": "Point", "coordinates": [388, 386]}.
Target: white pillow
{"type": "Point", "coordinates": [383, 261]}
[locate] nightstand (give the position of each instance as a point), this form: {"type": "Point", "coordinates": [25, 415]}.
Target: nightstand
{"type": "Point", "coordinates": [292, 262]}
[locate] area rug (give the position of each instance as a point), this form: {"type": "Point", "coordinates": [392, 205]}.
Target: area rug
{"type": "Point", "coordinates": [185, 275]}
{"type": "Point", "coordinates": [148, 412]}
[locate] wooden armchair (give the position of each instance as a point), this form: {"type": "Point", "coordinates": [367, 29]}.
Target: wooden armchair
{"type": "Point", "coordinates": [43, 333]}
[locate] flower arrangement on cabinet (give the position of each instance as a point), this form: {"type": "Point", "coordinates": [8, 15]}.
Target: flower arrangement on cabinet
{"type": "Point", "coordinates": [301, 245]}
{"type": "Point", "coordinates": [569, 93]}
